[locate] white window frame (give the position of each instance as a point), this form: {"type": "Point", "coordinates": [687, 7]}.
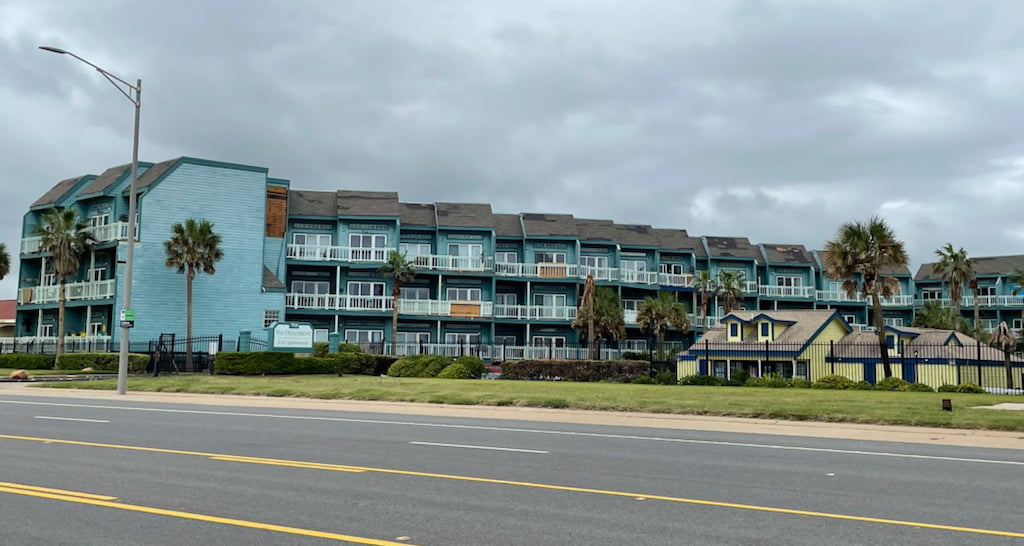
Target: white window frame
{"type": "Point", "coordinates": [97, 220]}
{"type": "Point", "coordinates": [49, 279]}
{"type": "Point", "coordinates": [505, 340]}
{"type": "Point", "coordinates": [673, 269]}
{"type": "Point", "coordinates": [97, 274]}
{"type": "Point", "coordinates": [320, 335]}
{"type": "Point", "coordinates": [466, 250]}
{"type": "Point", "coordinates": [503, 298]}
{"type": "Point", "coordinates": [633, 265]}
{"type": "Point", "coordinates": [417, 293]}
{"type": "Point", "coordinates": [414, 250]}
{"type": "Point", "coordinates": [597, 262]}
{"type": "Point", "coordinates": [413, 338]}
{"type": "Point", "coordinates": [357, 336]}
{"type": "Point", "coordinates": [317, 288]}
{"type": "Point", "coordinates": [368, 240]}
{"type": "Point", "coordinates": [986, 291]}
{"type": "Point", "coordinates": [462, 338]}
{"type": "Point", "coordinates": [548, 257]}
{"type": "Point", "coordinates": [47, 330]}
{"type": "Point", "coordinates": [271, 316]}
{"type": "Point", "coordinates": [631, 305]}
{"type": "Point", "coordinates": [1017, 323]}
{"type": "Point", "coordinates": [454, 293]}
{"type": "Point", "coordinates": [850, 319]}
{"type": "Point", "coordinates": [788, 281]}
{"type": "Point", "coordinates": [356, 288]}
{"type": "Point", "coordinates": [550, 300]}
{"type": "Point", "coordinates": [503, 257]}
{"type": "Point", "coordinates": [546, 341]}
{"type": "Point", "coordinates": [311, 239]}
{"type": "Point", "coordinates": [97, 328]}
{"type": "Point", "coordinates": [893, 321]}
{"type": "Point", "coordinates": [928, 294]}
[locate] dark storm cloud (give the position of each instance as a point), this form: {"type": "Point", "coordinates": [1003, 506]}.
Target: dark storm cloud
{"type": "Point", "coordinates": [772, 120]}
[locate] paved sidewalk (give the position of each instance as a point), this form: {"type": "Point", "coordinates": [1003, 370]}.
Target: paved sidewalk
{"type": "Point", "coordinates": [848, 431]}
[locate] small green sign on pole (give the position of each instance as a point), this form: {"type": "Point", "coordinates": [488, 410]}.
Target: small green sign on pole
{"type": "Point", "coordinates": [127, 318]}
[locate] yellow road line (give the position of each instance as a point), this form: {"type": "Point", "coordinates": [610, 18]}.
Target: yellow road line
{"type": "Point", "coordinates": [555, 487]}
{"type": "Point", "coordinates": [297, 464]}
{"type": "Point", "coordinates": [57, 491]}
{"type": "Point", "coordinates": [77, 498]}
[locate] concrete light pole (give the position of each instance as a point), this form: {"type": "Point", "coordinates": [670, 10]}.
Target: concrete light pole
{"type": "Point", "coordinates": [134, 94]}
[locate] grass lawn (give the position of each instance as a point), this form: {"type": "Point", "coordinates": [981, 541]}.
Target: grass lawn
{"type": "Point", "coordinates": [6, 372]}
{"type": "Point", "coordinates": [902, 408]}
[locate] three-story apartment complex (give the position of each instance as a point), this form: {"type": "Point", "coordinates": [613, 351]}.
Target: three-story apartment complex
{"type": "Point", "coordinates": [506, 282]}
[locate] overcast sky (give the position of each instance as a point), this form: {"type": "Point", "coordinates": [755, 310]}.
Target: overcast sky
{"type": "Point", "coordinates": [770, 120]}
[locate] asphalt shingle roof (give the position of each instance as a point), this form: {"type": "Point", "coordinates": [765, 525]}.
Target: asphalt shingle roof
{"type": "Point", "coordinates": [153, 173]}
{"type": "Point", "coordinates": [507, 225]}
{"type": "Point", "coordinates": [990, 265]}
{"type": "Point", "coordinates": [595, 230]}
{"type": "Point", "coordinates": [732, 247]}
{"type": "Point", "coordinates": [465, 215]}
{"type": "Point", "coordinates": [367, 203]}
{"type": "Point", "coordinates": [270, 280]}
{"type": "Point", "coordinates": [806, 322]}
{"type": "Point", "coordinates": [674, 239]}
{"type": "Point", "coordinates": [635, 235]}
{"type": "Point", "coordinates": [105, 180]}
{"type": "Point", "coordinates": [57, 191]}
{"type": "Point", "coordinates": [312, 203]}
{"type": "Point", "coordinates": [787, 254]}
{"type": "Point", "coordinates": [416, 214]}
{"type": "Point", "coordinates": [549, 225]}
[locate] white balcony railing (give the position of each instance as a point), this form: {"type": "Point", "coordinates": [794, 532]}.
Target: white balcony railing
{"type": "Point", "coordinates": [749, 287]}
{"type": "Point", "coordinates": [639, 277]}
{"type": "Point", "coordinates": [110, 232]}
{"type": "Point", "coordinates": [47, 345]}
{"type": "Point", "coordinates": [680, 280]}
{"type": "Point", "coordinates": [703, 322]}
{"type": "Point", "coordinates": [599, 273]}
{"type": "Point", "coordinates": [837, 295]}
{"type": "Point", "coordinates": [334, 302]}
{"type": "Point", "coordinates": [540, 270]}
{"type": "Point", "coordinates": [31, 244]}
{"type": "Point", "coordinates": [323, 253]}
{"type": "Point", "coordinates": [897, 301]}
{"type": "Point", "coordinates": [72, 291]}
{"type": "Point", "coordinates": [994, 301]}
{"type": "Point", "coordinates": [452, 263]}
{"type": "Point", "coordinates": [534, 312]}
{"type": "Point", "coordinates": [786, 291]}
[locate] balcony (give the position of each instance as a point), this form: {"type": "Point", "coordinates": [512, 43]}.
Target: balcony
{"type": "Point", "coordinates": [639, 277]}
{"type": "Point", "coordinates": [30, 245]}
{"type": "Point", "coordinates": [897, 301]}
{"type": "Point", "coordinates": [318, 253]}
{"type": "Point", "coordinates": [435, 262]}
{"type": "Point", "coordinates": [786, 291]}
{"type": "Point", "coordinates": [676, 280]}
{"type": "Point", "coordinates": [749, 287]}
{"type": "Point", "coordinates": [539, 270]}
{"type": "Point", "coordinates": [837, 296]}
{"type": "Point", "coordinates": [703, 323]}
{"type": "Point", "coordinates": [73, 291]}
{"type": "Point", "coordinates": [599, 273]}
{"type": "Point", "coordinates": [535, 312]}
{"type": "Point", "coordinates": [994, 301]}
{"type": "Point", "coordinates": [334, 302]}
{"type": "Point", "coordinates": [110, 232]}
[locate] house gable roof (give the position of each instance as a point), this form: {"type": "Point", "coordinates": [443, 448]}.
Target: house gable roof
{"type": "Point", "coordinates": [312, 203]}
{"type": "Point", "coordinates": [507, 225]}
{"type": "Point", "coordinates": [984, 266]}
{"type": "Point", "coordinates": [464, 215]}
{"type": "Point", "coordinates": [731, 247]}
{"type": "Point", "coordinates": [103, 182]}
{"type": "Point", "coordinates": [417, 214]}
{"type": "Point", "coordinates": [779, 254]}
{"type": "Point", "coordinates": [549, 225]}
{"type": "Point", "coordinates": [803, 327]}
{"type": "Point", "coordinates": [367, 203]}
{"type": "Point", "coordinates": [59, 190]}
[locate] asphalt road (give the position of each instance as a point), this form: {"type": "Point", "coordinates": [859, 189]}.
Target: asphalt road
{"type": "Point", "coordinates": [83, 472]}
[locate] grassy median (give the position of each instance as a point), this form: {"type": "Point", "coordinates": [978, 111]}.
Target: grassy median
{"type": "Point", "coordinates": [895, 408]}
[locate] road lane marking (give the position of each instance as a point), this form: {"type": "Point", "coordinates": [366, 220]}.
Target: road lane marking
{"type": "Point", "coordinates": [80, 498]}
{"type": "Point", "coordinates": [57, 491]}
{"type": "Point", "coordinates": [280, 462]}
{"type": "Point", "coordinates": [611, 436]}
{"type": "Point", "coordinates": [491, 448]}
{"type": "Point", "coordinates": [70, 419]}
{"type": "Point", "coordinates": [553, 487]}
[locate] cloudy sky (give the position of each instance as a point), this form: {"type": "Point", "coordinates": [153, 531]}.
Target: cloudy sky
{"type": "Point", "coordinates": [771, 120]}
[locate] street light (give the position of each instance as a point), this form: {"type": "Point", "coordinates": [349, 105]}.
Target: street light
{"type": "Point", "coordinates": [134, 94]}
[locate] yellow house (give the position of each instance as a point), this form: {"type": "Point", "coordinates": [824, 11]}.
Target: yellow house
{"type": "Point", "coordinates": [793, 343]}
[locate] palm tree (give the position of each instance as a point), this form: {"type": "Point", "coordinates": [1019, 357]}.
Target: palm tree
{"type": "Point", "coordinates": [5, 261]}
{"type": "Point", "coordinates": [1018, 279]}
{"type": "Point", "coordinates": [730, 286]}
{"type": "Point", "coordinates": [934, 315]}
{"type": "Point", "coordinates": [706, 286]}
{"type": "Point", "coordinates": [606, 321]}
{"type": "Point", "coordinates": [63, 234]}
{"type": "Point", "coordinates": [660, 314]}
{"type": "Point", "coordinates": [863, 251]}
{"type": "Point", "coordinates": [193, 248]}
{"type": "Point", "coordinates": [401, 271]}
{"type": "Point", "coordinates": [587, 311]}
{"type": "Point", "coordinates": [1004, 339]}
{"type": "Point", "coordinates": [955, 268]}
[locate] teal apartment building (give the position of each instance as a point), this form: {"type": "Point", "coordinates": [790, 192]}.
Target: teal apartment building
{"type": "Point", "coordinates": [504, 284]}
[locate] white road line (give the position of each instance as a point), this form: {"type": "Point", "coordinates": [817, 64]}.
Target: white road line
{"type": "Point", "coordinates": [536, 431]}
{"type": "Point", "coordinates": [480, 447]}
{"type": "Point", "coordinates": [70, 419]}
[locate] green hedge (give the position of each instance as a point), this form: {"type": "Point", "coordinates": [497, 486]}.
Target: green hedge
{"type": "Point", "coordinates": [26, 361]}
{"type": "Point", "coordinates": [419, 366]}
{"type": "Point", "coordinates": [473, 364]}
{"type": "Point", "coordinates": [278, 363]}
{"type": "Point", "coordinates": [106, 362]}
{"type": "Point", "coordinates": [575, 370]}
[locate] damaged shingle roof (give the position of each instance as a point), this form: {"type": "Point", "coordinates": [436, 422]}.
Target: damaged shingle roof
{"type": "Point", "coordinates": [367, 203]}
{"type": "Point", "coordinates": [57, 191]}
{"type": "Point", "coordinates": [464, 215]}
{"type": "Point", "coordinates": [786, 254]}
{"type": "Point", "coordinates": [731, 247]}
{"type": "Point", "coordinates": [507, 225]}
{"type": "Point", "coordinates": [416, 214]}
{"type": "Point", "coordinates": [595, 230]}
{"type": "Point", "coordinates": [549, 225]}
{"type": "Point", "coordinates": [992, 265]}
{"type": "Point", "coordinates": [312, 203]}
{"type": "Point", "coordinates": [673, 239]}
{"type": "Point", "coordinates": [635, 235]}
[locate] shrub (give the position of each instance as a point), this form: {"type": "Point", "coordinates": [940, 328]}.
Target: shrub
{"type": "Point", "coordinates": [665, 378]}
{"type": "Point", "coordinates": [348, 348]}
{"type": "Point", "coordinates": [105, 362]}
{"type": "Point", "coordinates": [26, 361]}
{"type": "Point", "coordinates": [456, 370]}
{"type": "Point", "coordinates": [834, 382]}
{"type": "Point", "coordinates": [419, 366]}
{"type": "Point", "coordinates": [920, 387]}
{"type": "Point", "coordinates": [740, 376]}
{"type": "Point", "coordinates": [862, 386]}
{"type": "Point", "coordinates": [280, 363]}
{"type": "Point", "coordinates": [702, 380]}
{"type": "Point", "coordinates": [946, 387]}
{"type": "Point", "coordinates": [643, 380]}
{"type": "Point", "coordinates": [321, 349]}
{"type": "Point", "coordinates": [892, 384]}
{"type": "Point", "coordinates": [970, 388]}
{"type": "Point", "coordinates": [633, 355]}
{"type": "Point", "coordinates": [575, 370]}
{"type": "Point", "coordinates": [382, 363]}
{"type": "Point", "coordinates": [801, 383]}
{"type": "Point", "coordinates": [773, 381]}
{"type": "Point", "coordinates": [473, 364]}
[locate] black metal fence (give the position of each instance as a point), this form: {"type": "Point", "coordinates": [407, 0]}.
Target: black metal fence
{"type": "Point", "coordinates": [169, 353]}
{"type": "Point", "coordinates": [48, 346]}
{"type": "Point", "coordinates": [934, 364]}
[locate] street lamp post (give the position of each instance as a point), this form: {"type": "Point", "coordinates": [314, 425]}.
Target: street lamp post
{"type": "Point", "coordinates": [134, 94]}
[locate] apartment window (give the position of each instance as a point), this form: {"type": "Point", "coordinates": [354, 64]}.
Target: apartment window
{"type": "Point", "coordinates": [414, 293]}
{"type": "Point", "coordinates": [931, 294]}
{"type": "Point", "coordinates": [311, 287]}
{"type": "Point", "coordinates": [411, 250]}
{"type": "Point", "coordinates": [271, 316]}
{"type": "Point", "coordinates": [890, 341]}
{"type": "Point", "coordinates": [320, 335]}
{"type": "Point", "coordinates": [549, 300]}
{"type": "Point", "coordinates": [99, 220]}
{"type": "Point", "coordinates": [673, 269]}
{"type": "Point", "coordinates": [766, 330]}
{"type": "Point", "coordinates": [97, 328]}
{"type": "Point", "coordinates": [594, 261]}
{"type": "Point", "coordinates": [460, 338]}
{"type": "Point", "coordinates": [986, 291]}
{"type": "Point", "coordinates": [505, 299]}
{"type": "Point", "coordinates": [734, 329]}
{"type": "Point", "coordinates": [364, 336]}
{"type": "Point", "coordinates": [789, 281]}
{"type": "Point", "coordinates": [850, 319]}
{"type": "Point", "coordinates": [358, 288]}
{"type": "Point", "coordinates": [506, 257]}
{"type": "Point", "coordinates": [632, 305]}
{"type": "Point", "coordinates": [463, 294]}
{"type": "Point", "coordinates": [312, 239]}
{"type": "Point", "coordinates": [366, 240]}
{"type": "Point", "coordinates": [549, 341]}
{"type": "Point", "coordinates": [1017, 323]}
{"type": "Point", "coordinates": [504, 340]}
{"type": "Point", "coordinates": [46, 330]}
{"type": "Point", "coordinates": [49, 279]}
{"type": "Point", "coordinates": [550, 257]}
{"type": "Point", "coordinates": [465, 250]}
{"type": "Point", "coordinates": [634, 265]}
{"type": "Point", "coordinates": [410, 338]}
{"type": "Point", "coordinates": [98, 274]}
{"type": "Point", "coordinates": [893, 321]}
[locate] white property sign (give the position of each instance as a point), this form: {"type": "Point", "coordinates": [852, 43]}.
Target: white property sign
{"type": "Point", "coordinates": [291, 336]}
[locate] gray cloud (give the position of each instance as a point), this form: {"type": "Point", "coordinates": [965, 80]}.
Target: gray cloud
{"type": "Point", "coordinates": [772, 120]}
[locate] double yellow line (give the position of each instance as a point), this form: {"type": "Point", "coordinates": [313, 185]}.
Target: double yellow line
{"type": "Point", "coordinates": [567, 488]}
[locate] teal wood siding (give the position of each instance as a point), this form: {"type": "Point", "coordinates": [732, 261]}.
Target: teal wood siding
{"type": "Point", "coordinates": [462, 237]}
{"type": "Point", "coordinates": [227, 302]}
{"type": "Point", "coordinates": [533, 247]}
